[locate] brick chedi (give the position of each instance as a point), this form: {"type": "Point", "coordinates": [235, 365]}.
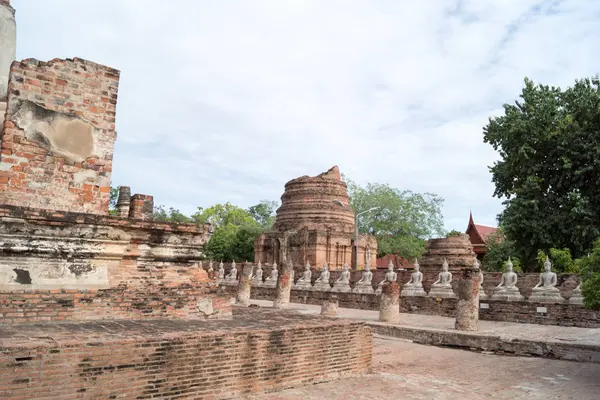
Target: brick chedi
{"type": "Point", "coordinates": [316, 225]}
{"type": "Point", "coordinates": [457, 250]}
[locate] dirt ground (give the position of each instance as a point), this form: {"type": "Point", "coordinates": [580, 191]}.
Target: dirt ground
{"type": "Point", "coordinates": [404, 370]}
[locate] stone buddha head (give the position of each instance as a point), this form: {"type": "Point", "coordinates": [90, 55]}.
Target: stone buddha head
{"type": "Point", "coordinates": [547, 265]}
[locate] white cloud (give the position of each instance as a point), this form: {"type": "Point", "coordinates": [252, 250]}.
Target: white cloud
{"type": "Point", "coordinates": [227, 101]}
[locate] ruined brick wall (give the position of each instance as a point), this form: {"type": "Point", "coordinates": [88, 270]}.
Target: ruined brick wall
{"type": "Point", "coordinates": [71, 266]}
{"type": "Point", "coordinates": [59, 134]}
{"type": "Point", "coordinates": [179, 359]}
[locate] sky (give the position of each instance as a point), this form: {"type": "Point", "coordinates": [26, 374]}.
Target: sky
{"type": "Point", "coordinates": [228, 100]}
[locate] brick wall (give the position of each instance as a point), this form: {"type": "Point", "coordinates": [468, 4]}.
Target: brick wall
{"type": "Point", "coordinates": [71, 266]}
{"type": "Point", "coordinates": [59, 133]}
{"type": "Point", "coordinates": [563, 314]}
{"type": "Point", "coordinates": [260, 350]}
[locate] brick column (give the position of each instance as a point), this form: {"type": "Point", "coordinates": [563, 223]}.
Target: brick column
{"type": "Point", "coordinates": [330, 307]}
{"type": "Point", "coordinates": [284, 285]}
{"type": "Point", "coordinates": [467, 309]}
{"type": "Point", "coordinates": [142, 207]}
{"type": "Point", "coordinates": [244, 286]}
{"type": "Point", "coordinates": [389, 302]}
{"type": "Point", "coordinates": [124, 201]}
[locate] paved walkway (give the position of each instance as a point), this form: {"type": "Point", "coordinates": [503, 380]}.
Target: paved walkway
{"type": "Point", "coordinates": [503, 330]}
{"type": "Point", "coordinates": [403, 370]}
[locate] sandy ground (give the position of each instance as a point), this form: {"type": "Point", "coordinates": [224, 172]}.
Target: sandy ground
{"type": "Point", "coordinates": [404, 370]}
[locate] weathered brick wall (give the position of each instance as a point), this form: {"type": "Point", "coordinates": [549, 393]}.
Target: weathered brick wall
{"type": "Point", "coordinates": [563, 314]}
{"type": "Point", "coordinates": [256, 352]}
{"type": "Point", "coordinates": [59, 134]}
{"type": "Point", "coordinates": [71, 266]}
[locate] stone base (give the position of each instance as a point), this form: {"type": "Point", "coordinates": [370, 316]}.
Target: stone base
{"type": "Point", "coordinates": [341, 288]}
{"type": "Point", "coordinates": [576, 297]}
{"type": "Point", "coordinates": [366, 288]}
{"type": "Point", "coordinates": [442, 293]}
{"type": "Point", "coordinates": [270, 284]}
{"type": "Point", "coordinates": [230, 282]}
{"type": "Point", "coordinates": [321, 286]}
{"type": "Point", "coordinates": [159, 358]}
{"type": "Point", "coordinates": [257, 283]}
{"type": "Point", "coordinates": [302, 286]}
{"type": "Point", "coordinates": [546, 296]}
{"type": "Point", "coordinates": [507, 295]}
{"type": "Point", "coordinates": [413, 292]}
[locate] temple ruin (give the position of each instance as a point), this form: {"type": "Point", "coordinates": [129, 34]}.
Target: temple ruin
{"type": "Point", "coordinates": [100, 306]}
{"type": "Point", "coordinates": [315, 224]}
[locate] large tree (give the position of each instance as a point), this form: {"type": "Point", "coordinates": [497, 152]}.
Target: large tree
{"type": "Point", "coordinates": [549, 171]}
{"type": "Point", "coordinates": [403, 220]}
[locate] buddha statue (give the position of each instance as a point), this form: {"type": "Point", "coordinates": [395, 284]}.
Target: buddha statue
{"type": "Point", "coordinates": [232, 276]}
{"type": "Point", "coordinates": [257, 277]}
{"type": "Point", "coordinates": [442, 287]}
{"type": "Point", "coordinates": [365, 285]}
{"type": "Point", "coordinates": [304, 282]}
{"type": "Point", "coordinates": [210, 267]}
{"type": "Point", "coordinates": [507, 289]}
{"type": "Point", "coordinates": [221, 271]}
{"type": "Point", "coordinates": [390, 276]}
{"type": "Point", "coordinates": [414, 287]}
{"type": "Point", "coordinates": [477, 265]}
{"type": "Point", "coordinates": [322, 283]}
{"type": "Point", "coordinates": [343, 283]}
{"type": "Point", "coordinates": [576, 297]}
{"type": "Point", "coordinates": [546, 291]}
{"type": "Point", "coordinates": [271, 280]}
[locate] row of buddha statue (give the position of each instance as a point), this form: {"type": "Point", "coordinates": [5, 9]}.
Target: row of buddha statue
{"type": "Point", "coordinates": [545, 291]}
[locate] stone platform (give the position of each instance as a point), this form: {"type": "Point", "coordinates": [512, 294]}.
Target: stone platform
{"type": "Point", "coordinates": [259, 350]}
{"type": "Point", "coordinates": [565, 343]}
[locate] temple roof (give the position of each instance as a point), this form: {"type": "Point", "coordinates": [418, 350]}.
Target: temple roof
{"type": "Point", "coordinates": [482, 231]}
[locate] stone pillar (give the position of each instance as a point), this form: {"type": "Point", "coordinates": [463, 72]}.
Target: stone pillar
{"type": "Point", "coordinates": [330, 307]}
{"type": "Point", "coordinates": [8, 47]}
{"type": "Point", "coordinates": [142, 207]}
{"type": "Point", "coordinates": [389, 302]}
{"type": "Point", "coordinates": [244, 286]}
{"type": "Point", "coordinates": [285, 281]}
{"type": "Point", "coordinates": [124, 201]}
{"type": "Point", "coordinates": [467, 310]}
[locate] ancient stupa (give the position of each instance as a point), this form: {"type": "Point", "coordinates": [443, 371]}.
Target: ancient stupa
{"type": "Point", "coordinates": [315, 224]}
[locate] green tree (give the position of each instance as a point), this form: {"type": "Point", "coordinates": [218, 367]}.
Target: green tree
{"type": "Point", "coordinates": [589, 275]}
{"type": "Point", "coordinates": [403, 220]}
{"type": "Point", "coordinates": [264, 213]}
{"type": "Point", "coordinates": [549, 172]}
{"type": "Point", "coordinates": [499, 249]}
{"type": "Point", "coordinates": [112, 201]}
{"type": "Point", "coordinates": [453, 233]}
{"type": "Point", "coordinates": [561, 259]}
{"type": "Point", "coordinates": [223, 214]}
{"type": "Point", "coordinates": [172, 215]}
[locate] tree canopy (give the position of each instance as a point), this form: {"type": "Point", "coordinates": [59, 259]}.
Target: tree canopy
{"type": "Point", "coordinates": [549, 172]}
{"type": "Point", "coordinates": [403, 220]}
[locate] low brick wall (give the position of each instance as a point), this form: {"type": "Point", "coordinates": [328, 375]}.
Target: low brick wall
{"type": "Point", "coordinates": [562, 314]}
{"type": "Point", "coordinates": [260, 350]}
{"type": "Point", "coordinates": [119, 303]}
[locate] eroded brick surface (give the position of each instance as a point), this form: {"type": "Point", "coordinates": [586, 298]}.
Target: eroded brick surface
{"type": "Point", "coordinates": [258, 350]}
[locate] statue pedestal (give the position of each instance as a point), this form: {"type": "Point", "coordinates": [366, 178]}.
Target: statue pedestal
{"type": "Point", "coordinates": [230, 282]}
{"type": "Point", "coordinates": [413, 291]}
{"type": "Point", "coordinates": [257, 282]}
{"type": "Point", "coordinates": [363, 288]}
{"type": "Point", "coordinates": [302, 285]}
{"type": "Point", "coordinates": [548, 295]}
{"type": "Point", "coordinates": [270, 283]}
{"type": "Point", "coordinates": [576, 297]}
{"type": "Point", "coordinates": [507, 294]}
{"type": "Point", "coordinates": [442, 292]}
{"type": "Point", "coordinates": [341, 287]}
{"type": "Point", "coordinates": [321, 286]}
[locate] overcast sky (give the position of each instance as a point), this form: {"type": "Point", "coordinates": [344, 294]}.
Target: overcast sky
{"type": "Point", "coordinates": [228, 100]}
